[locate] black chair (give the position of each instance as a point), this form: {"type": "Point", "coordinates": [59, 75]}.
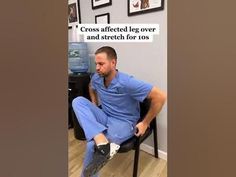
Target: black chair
{"type": "Point", "coordinates": [134, 142]}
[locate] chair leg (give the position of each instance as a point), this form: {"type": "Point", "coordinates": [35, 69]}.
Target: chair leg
{"type": "Point", "coordinates": [155, 140]}
{"type": "Point", "coordinates": [136, 160]}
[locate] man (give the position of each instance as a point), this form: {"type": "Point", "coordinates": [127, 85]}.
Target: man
{"type": "Point", "coordinates": [119, 95]}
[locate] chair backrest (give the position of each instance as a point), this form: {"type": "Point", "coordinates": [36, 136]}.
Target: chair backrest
{"type": "Point", "coordinates": [144, 107]}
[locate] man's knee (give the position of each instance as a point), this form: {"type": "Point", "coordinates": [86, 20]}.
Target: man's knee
{"type": "Point", "coordinates": [79, 101]}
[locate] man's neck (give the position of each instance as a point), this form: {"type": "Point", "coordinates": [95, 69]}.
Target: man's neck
{"type": "Point", "coordinates": [108, 79]}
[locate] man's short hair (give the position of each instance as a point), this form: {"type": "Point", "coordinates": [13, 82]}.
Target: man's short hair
{"type": "Point", "coordinates": [111, 53]}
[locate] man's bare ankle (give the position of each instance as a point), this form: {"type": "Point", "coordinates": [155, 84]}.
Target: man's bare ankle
{"type": "Point", "coordinates": [100, 139]}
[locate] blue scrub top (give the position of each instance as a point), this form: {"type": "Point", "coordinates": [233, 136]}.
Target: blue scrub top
{"type": "Point", "coordinates": [121, 98]}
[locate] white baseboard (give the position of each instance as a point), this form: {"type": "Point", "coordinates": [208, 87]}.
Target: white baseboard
{"type": "Point", "coordinates": [150, 150]}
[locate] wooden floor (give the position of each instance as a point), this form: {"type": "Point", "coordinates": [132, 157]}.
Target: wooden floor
{"type": "Point", "coordinates": [120, 166]}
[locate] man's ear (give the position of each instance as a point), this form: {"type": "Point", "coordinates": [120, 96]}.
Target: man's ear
{"type": "Point", "coordinates": [113, 62]}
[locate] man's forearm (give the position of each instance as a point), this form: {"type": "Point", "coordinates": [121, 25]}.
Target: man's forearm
{"type": "Point", "coordinates": [93, 96]}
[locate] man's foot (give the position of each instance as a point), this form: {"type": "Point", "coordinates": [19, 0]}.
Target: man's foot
{"type": "Point", "coordinates": [102, 154]}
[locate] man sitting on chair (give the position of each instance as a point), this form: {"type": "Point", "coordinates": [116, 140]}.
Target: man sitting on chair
{"type": "Point", "coordinates": [119, 96]}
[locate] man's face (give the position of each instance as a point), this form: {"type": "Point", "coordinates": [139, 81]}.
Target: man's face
{"type": "Point", "coordinates": [104, 66]}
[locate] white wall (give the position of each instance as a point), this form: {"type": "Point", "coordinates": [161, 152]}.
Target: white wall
{"type": "Point", "coordinates": [145, 61]}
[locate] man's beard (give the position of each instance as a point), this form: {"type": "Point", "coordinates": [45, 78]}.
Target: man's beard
{"type": "Point", "coordinates": [104, 74]}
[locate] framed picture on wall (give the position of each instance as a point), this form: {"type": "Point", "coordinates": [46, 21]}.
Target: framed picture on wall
{"type": "Point", "coordinates": [102, 19]}
{"type": "Point", "coordinates": [136, 7]}
{"type": "Point", "coordinates": [100, 3]}
{"type": "Point", "coordinates": [73, 13]}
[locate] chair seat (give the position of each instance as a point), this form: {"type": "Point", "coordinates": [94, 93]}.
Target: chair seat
{"type": "Point", "coordinates": [130, 143]}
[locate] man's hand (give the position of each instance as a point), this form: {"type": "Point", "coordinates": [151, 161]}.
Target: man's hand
{"type": "Point", "coordinates": [141, 128]}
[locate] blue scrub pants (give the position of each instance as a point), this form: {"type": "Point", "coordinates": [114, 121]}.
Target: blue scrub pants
{"type": "Point", "coordinates": [94, 121]}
